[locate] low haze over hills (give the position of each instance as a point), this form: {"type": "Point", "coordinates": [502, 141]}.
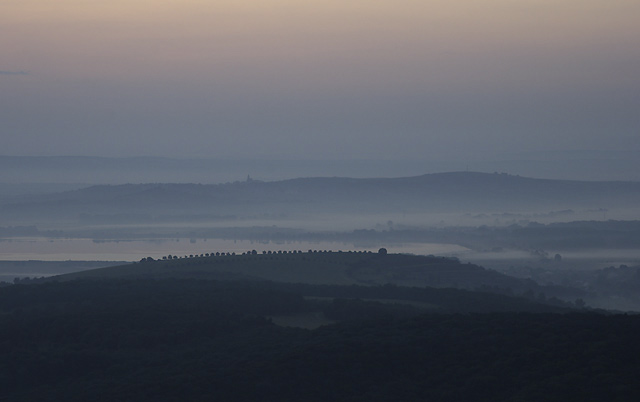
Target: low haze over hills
{"type": "Point", "coordinates": [461, 192]}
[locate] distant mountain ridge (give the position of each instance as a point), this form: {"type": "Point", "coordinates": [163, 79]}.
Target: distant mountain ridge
{"type": "Point", "coordinates": [559, 164]}
{"type": "Point", "coordinates": [440, 192]}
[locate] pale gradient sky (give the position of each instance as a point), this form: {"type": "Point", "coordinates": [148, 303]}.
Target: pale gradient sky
{"type": "Point", "coordinates": [318, 79]}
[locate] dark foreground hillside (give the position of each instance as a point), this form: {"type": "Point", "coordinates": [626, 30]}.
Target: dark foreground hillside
{"type": "Point", "coordinates": [204, 340]}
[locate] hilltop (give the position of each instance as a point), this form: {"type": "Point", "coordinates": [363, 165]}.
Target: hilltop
{"type": "Point", "coordinates": [313, 267]}
{"type": "Point", "coordinates": [328, 268]}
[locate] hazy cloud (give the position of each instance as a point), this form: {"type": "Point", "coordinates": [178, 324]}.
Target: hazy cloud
{"type": "Point", "coordinates": [454, 81]}
{"type": "Point", "coordinates": [5, 72]}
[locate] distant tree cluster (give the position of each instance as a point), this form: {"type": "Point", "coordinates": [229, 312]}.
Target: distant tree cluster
{"type": "Point", "coordinates": [253, 252]}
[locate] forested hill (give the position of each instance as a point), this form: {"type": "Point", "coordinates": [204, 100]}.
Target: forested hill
{"type": "Point", "coordinates": [444, 192]}
{"type": "Point", "coordinates": [202, 340]}
{"type": "Point", "coordinates": [210, 328]}
{"type": "Point", "coordinates": [327, 268]}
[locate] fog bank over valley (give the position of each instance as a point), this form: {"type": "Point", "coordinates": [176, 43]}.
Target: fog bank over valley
{"type": "Point", "coordinates": [551, 232]}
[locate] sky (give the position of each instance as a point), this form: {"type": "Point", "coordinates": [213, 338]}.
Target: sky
{"type": "Point", "coordinates": [296, 79]}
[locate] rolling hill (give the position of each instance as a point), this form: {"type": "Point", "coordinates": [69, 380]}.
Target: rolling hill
{"type": "Point", "coordinates": [460, 192]}
{"type": "Point", "coordinates": [327, 268]}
